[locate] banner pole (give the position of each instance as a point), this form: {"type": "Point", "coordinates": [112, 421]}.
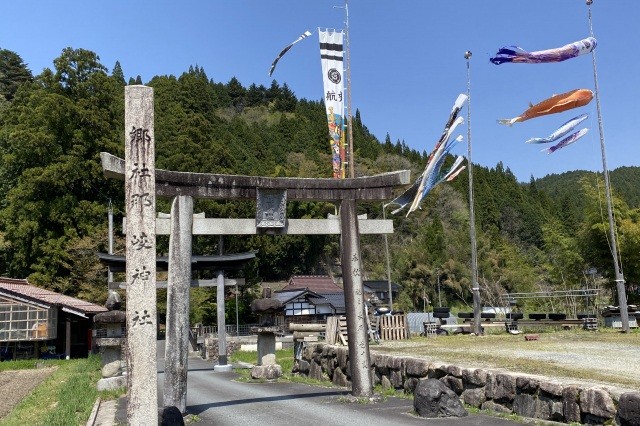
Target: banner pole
{"type": "Point", "coordinates": [349, 118]}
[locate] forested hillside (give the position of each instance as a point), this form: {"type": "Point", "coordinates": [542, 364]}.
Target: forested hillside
{"type": "Point", "coordinates": [53, 208]}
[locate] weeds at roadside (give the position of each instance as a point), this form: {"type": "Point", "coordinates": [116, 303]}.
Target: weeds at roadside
{"type": "Point", "coordinates": [391, 392]}
{"type": "Point", "coordinates": [348, 399]}
{"type": "Point", "coordinates": [112, 394]}
{"type": "Point", "coordinates": [191, 418]}
{"type": "Point", "coordinates": [64, 398]}
{"type": "Point", "coordinates": [512, 417]}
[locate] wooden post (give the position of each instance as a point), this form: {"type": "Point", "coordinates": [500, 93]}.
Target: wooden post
{"type": "Point", "coordinates": [361, 384]}
{"type": "Point", "coordinates": [67, 338]}
{"type": "Point", "coordinates": [140, 202]}
{"type": "Point", "coordinates": [178, 284]}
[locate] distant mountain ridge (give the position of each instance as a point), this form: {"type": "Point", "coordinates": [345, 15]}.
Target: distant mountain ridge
{"type": "Point", "coordinates": [625, 183]}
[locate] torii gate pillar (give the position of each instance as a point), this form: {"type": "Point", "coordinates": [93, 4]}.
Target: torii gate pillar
{"type": "Point", "coordinates": [354, 301]}
{"type": "Point", "coordinates": [176, 353]}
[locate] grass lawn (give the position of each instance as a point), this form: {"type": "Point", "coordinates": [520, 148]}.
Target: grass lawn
{"type": "Point", "coordinates": [66, 397]}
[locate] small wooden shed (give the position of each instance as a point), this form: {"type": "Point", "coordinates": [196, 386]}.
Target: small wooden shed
{"type": "Point", "coordinates": [35, 322]}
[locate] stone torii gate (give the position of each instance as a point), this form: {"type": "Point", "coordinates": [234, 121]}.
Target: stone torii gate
{"type": "Point", "coordinates": [143, 183]}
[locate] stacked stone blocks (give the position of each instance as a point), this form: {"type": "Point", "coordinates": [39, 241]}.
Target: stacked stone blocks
{"type": "Point", "coordinates": [489, 389]}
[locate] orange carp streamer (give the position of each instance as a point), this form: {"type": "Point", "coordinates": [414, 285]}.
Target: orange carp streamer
{"type": "Point", "coordinates": [555, 104]}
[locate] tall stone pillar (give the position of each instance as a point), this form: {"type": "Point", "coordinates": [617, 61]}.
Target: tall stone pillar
{"type": "Point", "coordinates": [140, 202]}
{"type": "Point", "coordinates": [361, 384]}
{"type": "Point", "coordinates": [220, 314]}
{"type": "Point", "coordinates": [176, 353]}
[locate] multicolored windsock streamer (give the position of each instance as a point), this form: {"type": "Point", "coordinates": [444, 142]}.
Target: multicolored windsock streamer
{"type": "Point", "coordinates": [432, 174]}
{"type": "Point", "coordinates": [286, 49]}
{"type": "Point", "coordinates": [566, 141]}
{"type": "Point", "coordinates": [518, 55]}
{"type": "Point", "coordinates": [555, 104]}
{"type": "Point", "coordinates": [561, 131]}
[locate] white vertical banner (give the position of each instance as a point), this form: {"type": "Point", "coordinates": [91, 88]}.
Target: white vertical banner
{"type": "Point", "coordinates": [332, 58]}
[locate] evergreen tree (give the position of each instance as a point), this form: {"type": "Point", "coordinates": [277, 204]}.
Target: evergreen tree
{"type": "Point", "coordinates": [53, 212]}
{"type": "Point", "coordinates": [256, 95]}
{"type": "Point", "coordinates": [117, 73]}
{"type": "Point", "coordinates": [13, 73]}
{"type": "Point", "coordinates": [237, 94]}
{"type": "Point", "coordinates": [286, 101]}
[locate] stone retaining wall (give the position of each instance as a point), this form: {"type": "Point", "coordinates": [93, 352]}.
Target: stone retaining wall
{"type": "Point", "coordinates": [505, 392]}
{"type": "Point", "coordinates": [210, 348]}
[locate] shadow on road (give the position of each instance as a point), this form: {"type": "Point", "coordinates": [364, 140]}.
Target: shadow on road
{"type": "Point", "coordinates": [197, 409]}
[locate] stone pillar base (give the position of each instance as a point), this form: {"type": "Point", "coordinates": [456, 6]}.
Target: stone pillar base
{"type": "Point", "coordinates": [222, 368]}
{"type": "Point", "coordinates": [266, 372]}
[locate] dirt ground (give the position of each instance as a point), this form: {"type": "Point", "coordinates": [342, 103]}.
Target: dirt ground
{"type": "Point", "coordinates": [16, 385]}
{"type": "Point", "coordinates": [601, 358]}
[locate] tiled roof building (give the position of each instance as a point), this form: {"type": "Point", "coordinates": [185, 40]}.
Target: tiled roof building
{"type": "Point", "coordinates": [35, 321]}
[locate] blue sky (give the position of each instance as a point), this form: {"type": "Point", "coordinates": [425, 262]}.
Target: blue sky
{"type": "Point", "coordinates": [407, 63]}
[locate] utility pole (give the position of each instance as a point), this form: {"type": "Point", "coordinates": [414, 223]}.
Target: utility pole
{"type": "Point", "coordinates": [622, 295]}
{"type": "Point", "coordinates": [475, 289]}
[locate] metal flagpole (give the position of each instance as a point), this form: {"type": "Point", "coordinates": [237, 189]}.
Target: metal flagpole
{"type": "Point", "coordinates": [472, 216]}
{"type": "Point", "coordinates": [386, 250]}
{"type": "Point", "coordinates": [348, 69]}
{"type": "Point", "coordinates": [622, 296]}
{"type": "Point", "coordinates": [349, 118]}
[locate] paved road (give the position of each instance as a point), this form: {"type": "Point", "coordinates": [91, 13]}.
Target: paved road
{"type": "Point", "coordinates": [219, 400]}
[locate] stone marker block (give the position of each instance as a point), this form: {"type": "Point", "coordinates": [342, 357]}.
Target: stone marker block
{"type": "Point", "coordinates": [266, 372]}
{"type": "Point", "coordinates": [433, 399]}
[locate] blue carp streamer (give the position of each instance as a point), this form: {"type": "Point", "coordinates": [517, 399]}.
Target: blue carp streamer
{"type": "Point", "coordinates": [566, 141]}
{"type": "Point", "coordinates": [561, 131]}
{"type": "Point", "coordinates": [517, 55]}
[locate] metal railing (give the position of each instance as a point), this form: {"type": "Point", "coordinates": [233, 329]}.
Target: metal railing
{"type": "Point", "coordinates": [232, 330]}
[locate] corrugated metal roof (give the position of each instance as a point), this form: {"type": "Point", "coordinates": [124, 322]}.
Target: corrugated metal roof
{"type": "Point", "coordinates": [315, 283]}
{"type": "Point", "coordinates": [21, 288]}
{"type": "Point", "coordinates": [336, 299]}
{"type": "Point", "coordinates": [379, 285]}
{"type": "Point", "coordinates": [286, 296]}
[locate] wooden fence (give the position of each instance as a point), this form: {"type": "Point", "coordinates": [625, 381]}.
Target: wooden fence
{"type": "Point", "coordinates": [389, 327]}
{"type": "Point", "coordinates": [394, 327]}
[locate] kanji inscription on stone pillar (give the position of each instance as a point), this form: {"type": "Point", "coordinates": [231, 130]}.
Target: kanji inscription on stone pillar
{"type": "Point", "coordinates": [140, 204]}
